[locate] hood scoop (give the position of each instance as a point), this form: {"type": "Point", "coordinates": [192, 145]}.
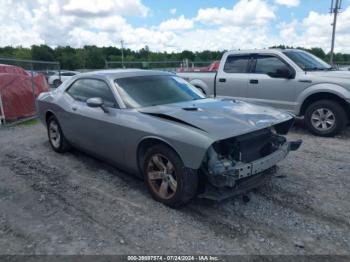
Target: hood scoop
{"type": "Point", "coordinates": [229, 100]}
{"type": "Point", "coordinates": [192, 109]}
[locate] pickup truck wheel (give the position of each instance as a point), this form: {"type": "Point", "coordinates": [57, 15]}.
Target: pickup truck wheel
{"type": "Point", "coordinates": [57, 83]}
{"type": "Point", "coordinates": [166, 177]}
{"type": "Point", "coordinates": [57, 139]}
{"type": "Point", "coordinates": [325, 118]}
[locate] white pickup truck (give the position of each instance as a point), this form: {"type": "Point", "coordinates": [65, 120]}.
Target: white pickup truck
{"type": "Point", "coordinates": [289, 79]}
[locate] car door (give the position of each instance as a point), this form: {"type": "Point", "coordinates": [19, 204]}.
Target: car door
{"type": "Point", "coordinates": [267, 86]}
{"type": "Point", "coordinates": [92, 129]}
{"type": "Point", "coordinates": [232, 79]}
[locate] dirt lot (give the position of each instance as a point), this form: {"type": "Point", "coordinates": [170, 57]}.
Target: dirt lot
{"type": "Point", "coordinates": [74, 204]}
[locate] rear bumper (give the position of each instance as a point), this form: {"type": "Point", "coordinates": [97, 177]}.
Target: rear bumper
{"type": "Point", "coordinates": [245, 176]}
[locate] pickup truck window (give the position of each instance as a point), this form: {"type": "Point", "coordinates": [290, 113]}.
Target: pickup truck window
{"type": "Point", "coordinates": [268, 64]}
{"type": "Point", "coordinates": [306, 61]}
{"type": "Point", "coordinates": [236, 64]}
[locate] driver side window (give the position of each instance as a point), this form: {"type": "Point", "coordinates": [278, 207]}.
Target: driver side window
{"type": "Point", "coordinates": [83, 89]}
{"type": "Point", "coordinates": [268, 64]}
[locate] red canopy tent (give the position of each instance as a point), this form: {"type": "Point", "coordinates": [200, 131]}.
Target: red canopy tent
{"type": "Point", "coordinates": [18, 90]}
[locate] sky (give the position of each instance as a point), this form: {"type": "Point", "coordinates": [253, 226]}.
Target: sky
{"type": "Point", "coordinates": [165, 25]}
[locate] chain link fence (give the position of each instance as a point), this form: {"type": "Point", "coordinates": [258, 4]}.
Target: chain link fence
{"type": "Point", "coordinates": [172, 66]}
{"type": "Point", "coordinates": [21, 81]}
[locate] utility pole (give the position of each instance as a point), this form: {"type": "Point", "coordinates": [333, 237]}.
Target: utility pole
{"type": "Point", "coordinates": [335, 8]}
{"type": "Point", "coordinates": [122, 45]}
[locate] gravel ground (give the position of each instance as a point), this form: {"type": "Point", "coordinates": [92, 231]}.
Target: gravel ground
{"type": "Point", "coordinates": [74, 204]}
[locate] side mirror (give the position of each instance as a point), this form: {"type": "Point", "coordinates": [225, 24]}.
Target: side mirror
{"type": "Point", "coordinates": [96, 102]}
{"type": "Point", "coordinates": [284, 73]}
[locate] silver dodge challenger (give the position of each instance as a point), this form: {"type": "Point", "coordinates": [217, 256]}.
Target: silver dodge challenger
{"type": "Point", "coordinates": [158, 126]}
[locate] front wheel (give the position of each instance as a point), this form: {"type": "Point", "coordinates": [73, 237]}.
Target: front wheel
{"type": "Point", "coordinates": [166, 177]}
{"type": "Point", "coordinates": [57, 139]}
{"type": "Point", "coordinates": [325, 118]}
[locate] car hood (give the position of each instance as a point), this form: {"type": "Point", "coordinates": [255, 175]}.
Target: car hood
{"type": "Point", "coordinates": [331, 74]}
{"type": "Point", "coordinates": [220, 118]}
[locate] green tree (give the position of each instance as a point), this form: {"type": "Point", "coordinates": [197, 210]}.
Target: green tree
{"type": "Point", "coordinates": [317, 52]}
{"type": "Point", "coordinates": [94, 57]}
{"type": "Point", "coordinates": [22, 53]}
{"type": "Point", "coordinates": [69, 58]}
{"type": "Point", "coordinates": [42, 52]}
{"type": "Point", "coordinates": [7, 51]}
{"type": "Point", "coordinates": [186, 54]}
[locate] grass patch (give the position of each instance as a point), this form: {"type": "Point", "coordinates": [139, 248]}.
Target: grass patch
{"type": "Point", "coordinates": [29, 122]}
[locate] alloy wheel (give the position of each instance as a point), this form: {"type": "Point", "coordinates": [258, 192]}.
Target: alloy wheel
{"type": "Point", "coordinates": [54, 134]}
{"type": "Point", "coordinates": [323, 119]}
{"type": "Point", "coordinates": [162, 176]}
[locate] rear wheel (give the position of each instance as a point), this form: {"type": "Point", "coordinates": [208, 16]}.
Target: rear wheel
{"type": "Point", "coordinates": [57, 139]}
{"type": "Point", "coordinates": [166, 177]}
{"type": "Point", "coordinates": [325, 118]}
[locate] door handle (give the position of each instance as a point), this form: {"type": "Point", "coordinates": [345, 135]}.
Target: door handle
{"type": "Point", "coordinates": [254, 81]}
{"type": "Point", "coordinates": [222, 80]}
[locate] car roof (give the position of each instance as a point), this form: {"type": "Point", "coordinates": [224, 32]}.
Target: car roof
{"type": "Point", "coordinates": [262, 51]}
{"type": "Point", "coordinates": [121, 73]}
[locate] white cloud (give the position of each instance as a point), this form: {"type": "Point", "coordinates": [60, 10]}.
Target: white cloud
{"type": "Point", "coordinates": [105, 7]}
{"type": "Point", "coordinates": [223, 38]}
{"type": "Point", "coordinates": [181, 23]}
{"type": "Point", "coordinates": [288, 3]}
{"type": "Point", "coordinates": [248, 24]}
{"type": "Point", "coordinates": [288, 32]}
{"type": "Point", "coordinates": [315, 30]}
{"type": "Point", "coordinates": [244, 13]}
{"type": "Point", "coordinates": [172, 11]}
{"type": "Point", "coordinates": [66, 22]}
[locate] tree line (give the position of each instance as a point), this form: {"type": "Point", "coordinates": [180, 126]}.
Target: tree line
{"type": "Point", "coordinates": [93, 57]}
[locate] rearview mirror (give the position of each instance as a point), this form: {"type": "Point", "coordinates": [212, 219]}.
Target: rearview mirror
{"type": "Point", "coordinates": [96, 102]}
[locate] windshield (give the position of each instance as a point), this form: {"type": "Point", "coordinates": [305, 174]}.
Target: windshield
{"type": "Point", "coordinates": [143, 91]}
{"type": "Point", "coordinates": [307, 61]}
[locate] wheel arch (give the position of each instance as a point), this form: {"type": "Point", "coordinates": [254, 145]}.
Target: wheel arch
{"type": "Point", "coordinates": [48, 114]}
{"type": "Point", "coordinates": [324, 96]}
{"type": "Point", "coordinates": [201, 85]}
{"type": "Point", "coordinates": [148, 142]}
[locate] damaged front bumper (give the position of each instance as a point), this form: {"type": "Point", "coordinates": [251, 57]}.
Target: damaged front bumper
{"type": "Point", "coordinates": [227, 178]}
{"type": "Point", "coordinates": [243, 170]}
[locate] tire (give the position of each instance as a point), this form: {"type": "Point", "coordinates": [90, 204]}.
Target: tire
{"type": "Point", "coordinates": [325, 118]}
{"type": "Point", "coordinates": [57, 83]}
{"type": "Point", "coordinates": [60, 144]}
{"type": "Point", "coordinates": [186, 179]}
